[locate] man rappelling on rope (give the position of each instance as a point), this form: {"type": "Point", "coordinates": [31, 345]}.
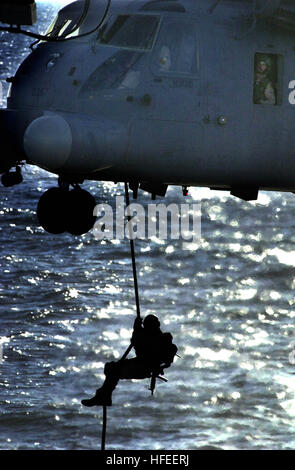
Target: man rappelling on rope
{"type": "Point", "coordinates": [154, 349]}
{"type": "Point", "coordinates": [154, 352]}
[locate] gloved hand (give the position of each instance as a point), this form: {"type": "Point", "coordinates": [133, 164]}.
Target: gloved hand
{"type": "Point", "coordinates": [157, 370]}
{"type": "Point", "coordinates": [137, 326]}
{"type": "Point", "coordinates": [137, 323]}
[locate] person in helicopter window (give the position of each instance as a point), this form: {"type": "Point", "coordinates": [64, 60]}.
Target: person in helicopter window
{"type": "Point", "coordinates": [165, 59]}
{"type": "Point", "coordinates": [154, 352]}
{"type": "Point", "coordinates": [264, 84]}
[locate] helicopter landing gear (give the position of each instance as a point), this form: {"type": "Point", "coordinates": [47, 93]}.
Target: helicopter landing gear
{"type": "Point", "coordinates": [80, 206]}
{"type": "Point", "coordinates": [11, 178]}
{"type": "Point", "coordinates": [62, 210]}
{"type": "Point", "coordinates": [51, 210]}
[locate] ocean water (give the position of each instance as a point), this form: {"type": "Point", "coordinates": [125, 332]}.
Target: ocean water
{"type": "Point", "coordinates": [67, 306]}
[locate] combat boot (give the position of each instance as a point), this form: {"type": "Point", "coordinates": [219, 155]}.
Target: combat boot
{"type": "Point", "coordinates": [103, 397]}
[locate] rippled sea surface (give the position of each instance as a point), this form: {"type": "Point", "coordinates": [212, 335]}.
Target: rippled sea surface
{"type": "Point", "coordinates": [67, 307]}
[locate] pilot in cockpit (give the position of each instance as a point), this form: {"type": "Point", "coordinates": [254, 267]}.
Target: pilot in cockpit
{"type": "Point", "coordinates": [164, 59]}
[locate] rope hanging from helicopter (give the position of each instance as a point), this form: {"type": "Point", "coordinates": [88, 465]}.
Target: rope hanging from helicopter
{"type": "Point", "coordinates": [133, 266]}
{"type": "Point", "coordinates": [104, 422]}
{"type": "Point", "coordinates": [47, 38]}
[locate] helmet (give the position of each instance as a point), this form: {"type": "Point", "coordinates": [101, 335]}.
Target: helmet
{"type": "Point", "coordinates": [266, 60]}
{"type": "Point", "coordinates": [151, 322]}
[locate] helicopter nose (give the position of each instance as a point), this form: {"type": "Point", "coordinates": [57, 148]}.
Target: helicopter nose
{"type": "Point", "coordinates": [48, 141]}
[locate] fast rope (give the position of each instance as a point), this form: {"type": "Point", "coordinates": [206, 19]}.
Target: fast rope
{"type": "Point", "coordinates": [132, 250]}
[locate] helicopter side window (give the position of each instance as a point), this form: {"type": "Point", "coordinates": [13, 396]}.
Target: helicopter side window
{"type": "Point", "coordinates": [176, 50]}
{"type": "Point", "coordinates": [132, 31]}
{"type": "Point", "coordinates": [266, 86]}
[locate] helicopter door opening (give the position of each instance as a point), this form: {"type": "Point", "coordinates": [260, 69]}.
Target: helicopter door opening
{"type": "Point", "coordinates": [270, 134]}
{"type": "Point", "coordinates": [267, 79]}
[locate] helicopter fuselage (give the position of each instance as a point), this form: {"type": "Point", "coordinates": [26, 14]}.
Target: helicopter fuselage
{"type": "Point", "coordinates": [163, 92]}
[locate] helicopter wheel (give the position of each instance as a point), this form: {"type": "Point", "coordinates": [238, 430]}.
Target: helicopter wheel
{"type": "Point", "coordinates": [80, 207]}
{"type": "Point", "coordinates": [52, 210]}
{"type": "Point", "coordinates": [60, 210]}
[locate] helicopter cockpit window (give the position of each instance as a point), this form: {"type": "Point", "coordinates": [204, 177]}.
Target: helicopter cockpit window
{"type": "Point", "coordinates": [265, 90]}
{"type": "Point", "coordinates": [61, 26]}
{"type": "Point", "coordinates": [69, 19]}
{"type": "Point", "coordinates": [130, 31]}
{"type": "Point", "coordinates": [176, 49]}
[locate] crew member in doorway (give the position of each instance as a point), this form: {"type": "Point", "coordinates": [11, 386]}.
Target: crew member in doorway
{"type": "Point", "coordinates": [264, 86]}
{"type": "Point", "coordinates": [154, 352]}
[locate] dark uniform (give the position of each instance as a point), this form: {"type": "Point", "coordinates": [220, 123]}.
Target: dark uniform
{"type": "Point", "coordinates": [154, 352]}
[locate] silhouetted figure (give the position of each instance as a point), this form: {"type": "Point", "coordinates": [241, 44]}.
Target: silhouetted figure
{"type": "Point", "coordinates": [154, 352]}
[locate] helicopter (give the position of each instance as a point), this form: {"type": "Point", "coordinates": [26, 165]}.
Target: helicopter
{"type": "Point", "coordinates": [154, 93]}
